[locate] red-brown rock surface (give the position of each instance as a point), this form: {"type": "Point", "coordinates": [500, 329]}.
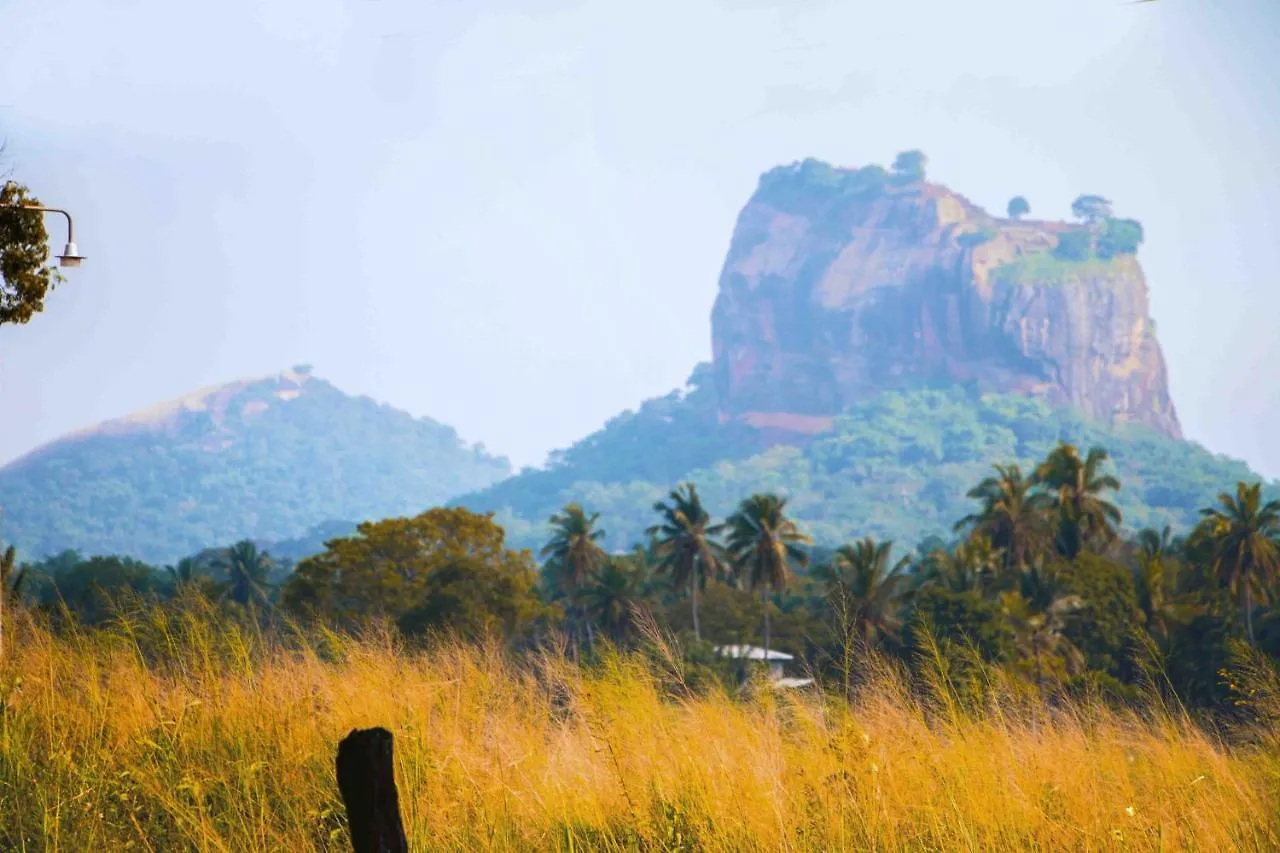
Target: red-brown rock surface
{"type": "Point", "coordinates": [841, 283]}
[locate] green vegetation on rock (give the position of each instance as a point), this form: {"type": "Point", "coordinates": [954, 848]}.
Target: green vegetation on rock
{"type": "Point", "coordinates": [1119, 237]}
{"type": "Point", "coordinates": [800, 186]}
{"type": "Point", "coordinates": [1049, 270]}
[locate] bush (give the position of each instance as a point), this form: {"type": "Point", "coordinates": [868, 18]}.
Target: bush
{"type": "Point", "coordinates": [1091, 208]}
{"type": "Point", "coordinates": [1073, 246]}
{"type": "Point", "coordinates": [910, 166]}
{"type": "Point", "coordinates": [1120, 237]}
{"type": "Point", "coordinates": [812, 183]}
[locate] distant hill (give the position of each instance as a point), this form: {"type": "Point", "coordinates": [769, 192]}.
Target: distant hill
{"type": "Point", "coordinates": [267, 459]}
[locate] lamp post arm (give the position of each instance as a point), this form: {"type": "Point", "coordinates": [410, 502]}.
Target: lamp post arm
{"type": "Point", "coordinates": [71, 237]}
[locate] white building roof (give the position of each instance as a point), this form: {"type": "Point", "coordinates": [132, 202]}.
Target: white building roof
{"type": "Point", "coordinates": [783, 683]}
{"type": "Point", "coordinates": [751, 653]}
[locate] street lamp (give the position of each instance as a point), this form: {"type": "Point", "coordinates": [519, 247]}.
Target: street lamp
{"type": "Point", "coordinates": [70, 256]}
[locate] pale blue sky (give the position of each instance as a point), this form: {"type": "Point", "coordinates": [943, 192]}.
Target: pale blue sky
{"type": "Point", "coordinates": [511, 215]}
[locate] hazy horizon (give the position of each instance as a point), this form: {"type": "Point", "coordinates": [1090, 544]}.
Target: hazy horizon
{"type": "Point", "coordinates": [512, 218]}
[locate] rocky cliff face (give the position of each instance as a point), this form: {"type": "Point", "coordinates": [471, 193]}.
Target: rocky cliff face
{"type": "Point", "coordinates": [842, 283]}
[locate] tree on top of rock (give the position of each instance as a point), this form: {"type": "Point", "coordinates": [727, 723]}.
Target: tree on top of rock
{"type": "Point", "coordinates": [1018, 207]}
{"type": "Point", "coordinates": [910, 166]}
{"type": "Point", "coordinates": [1091, 208]}
{"type": "Point", "coordinates": [1119, 237]}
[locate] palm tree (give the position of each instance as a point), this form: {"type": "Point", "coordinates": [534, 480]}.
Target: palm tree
{"type": "Point", "coordinates": [247, 569]}
{"type": "Point", "coordinates": [684, 545]}
{"type": "Point", "coordinates": [1039, 631]}
{"type": "Point", "coordinates": [868, 586]}
{"type": "Point", "coordinates": [610, 595]}
{"type": "Point", "coordinates": [1157, 580]}
{"type": "Point", "coordinates": [762, 546]}
{"type": "Point", "coordinates": [186, 575]}
{"type": "Point", "coordinates": [573, 554]}
{"type": "Point", "coordinates": [1013, 515]}
{"type": "Point", "coordinates": [1077, 485]}
{"type": "Point", "coordinates": [1242, 541]}
{"type": "Point", "coordinates": [183, 573]}
{"type": "Point", "coordinates": [972, 565]}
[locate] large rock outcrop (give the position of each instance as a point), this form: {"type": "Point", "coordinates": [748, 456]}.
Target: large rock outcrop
{"type": "Point", "coordinates": [842, 283]}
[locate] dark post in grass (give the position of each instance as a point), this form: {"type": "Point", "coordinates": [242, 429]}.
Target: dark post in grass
{"type": "Point", "coordinates": [367, 782]}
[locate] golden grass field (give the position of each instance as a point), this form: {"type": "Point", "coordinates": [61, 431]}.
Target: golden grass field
{"type": "Point", "coordinates": [183, 732]}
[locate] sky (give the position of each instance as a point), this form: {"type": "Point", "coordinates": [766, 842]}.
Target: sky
{"type": "Point", "coordinates": [511, 216]}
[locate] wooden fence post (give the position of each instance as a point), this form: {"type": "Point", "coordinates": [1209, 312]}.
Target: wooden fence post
{"type": "Point", "coordinates": [367, 782]}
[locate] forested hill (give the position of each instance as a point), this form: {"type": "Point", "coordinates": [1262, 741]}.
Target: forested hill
{"type": "Point", "coordinates": [897, 466]}
{"type": "Point", "coordinates": [265, 459]}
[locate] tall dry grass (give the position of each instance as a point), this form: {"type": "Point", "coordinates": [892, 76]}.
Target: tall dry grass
{"type": "Point", "coordinates": [180, 731]}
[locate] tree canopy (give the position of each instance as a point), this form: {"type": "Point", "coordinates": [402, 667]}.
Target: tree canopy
{"type": "Point", "coordinates": [910, 165]}
{"type": "Point", "coordinates": [25, 276]}
{"type": "Point", "coordinates": [1091, 208]}
{"type": "Point", "coordinates": [1119, 237]}
{"type": "Point", "coordinates": [1073, 245]}
{"type": "Point", "coordinates": [444, 568]}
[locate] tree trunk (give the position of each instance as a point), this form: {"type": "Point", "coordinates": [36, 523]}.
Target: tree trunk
{"type": "Point", "coordinates": [366, 780]}
{"type": "Point", "coordinates": [697, 631]}
{"type": "Point", "coordinates": [1248, 613]}
{"type": "Point", "coordinates": [1039, 675]}
{"type": "Point", "coordinates": [575, 633]}
{"type": "Point", "coordinates": [764, 600]}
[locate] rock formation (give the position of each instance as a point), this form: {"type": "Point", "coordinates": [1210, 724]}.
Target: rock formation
{"type": "Point", "coordinates": [840, 283]}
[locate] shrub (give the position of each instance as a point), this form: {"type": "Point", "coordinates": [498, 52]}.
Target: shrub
{"type": "Point", "coordinates": [1073, 246]}
{"type": "Point", "coordinates": [1091, 208]}
{"type": "Point", "coordinates": [1120, 237]}
{"type": "Point", "coordinates": [910, 166]}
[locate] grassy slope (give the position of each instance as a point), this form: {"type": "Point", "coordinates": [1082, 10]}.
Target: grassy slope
{"type": "Point", "coordinates": [897, 466]}
{"type": "Point", "coordinates": [179, 736]}
{"type": "Point", "coordinates": [272, 476]}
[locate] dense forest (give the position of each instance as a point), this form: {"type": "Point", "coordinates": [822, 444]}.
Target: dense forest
{"type": "Point", "coordinates": [1038, 581]}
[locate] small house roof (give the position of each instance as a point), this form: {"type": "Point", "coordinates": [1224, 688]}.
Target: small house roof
{"type": "Point", "coordinates": [751, 653]}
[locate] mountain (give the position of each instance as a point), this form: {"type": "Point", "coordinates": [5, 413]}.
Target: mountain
{"type": "Point", "coordinates": [267, 459]}
{"type": "Point", "coordinates": [878, 343]}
